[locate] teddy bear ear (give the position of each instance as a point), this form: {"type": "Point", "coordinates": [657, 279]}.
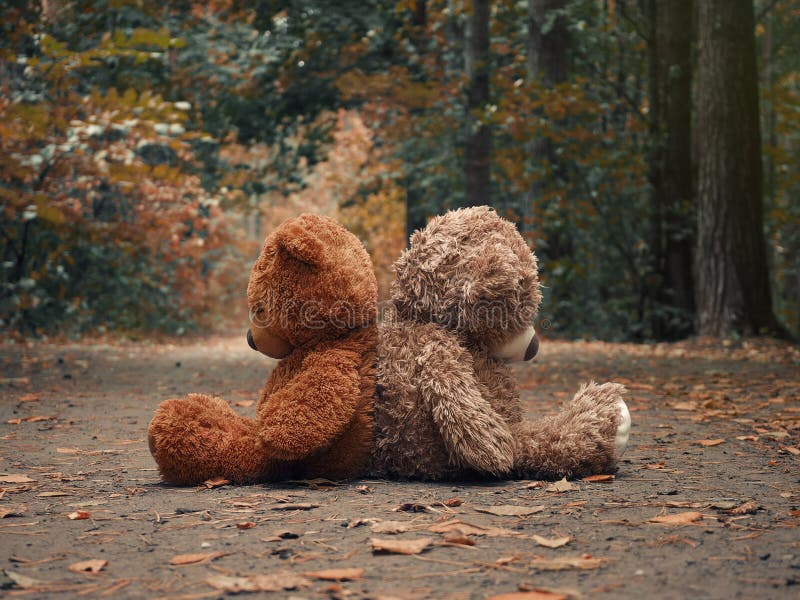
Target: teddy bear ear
{"type": "Point", "coordinates": [301, 244]}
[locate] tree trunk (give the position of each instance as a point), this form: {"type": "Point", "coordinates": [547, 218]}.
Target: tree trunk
{"type": "Point", "coordinates": [478, 140]}
{"type": "Point", "coordinates": [549, 52]}
{"type": "Point", "coordinates": [672, 229]}
{"type": "Point", "coordinates": [732, 279]}
{"type": "Point", "coordinates": [549, 58]}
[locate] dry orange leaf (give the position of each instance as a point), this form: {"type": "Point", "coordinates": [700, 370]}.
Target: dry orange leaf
{"type": "Point", "coordinates": [336, 574]}
{"type": "Point", "coordinates": [15, 479]}
{"type": "Point", "coordinates": [531, 595]}
{"type": "Point", "coordinates": [215, 482]}
{"type": "Point", "coordinates": [13, 421]}
{"type": "Point", "coordinates": [79, 515]}
{"type": "Point", "coordinates": [68, 450]}
{"type": "Point", "coordinates": [458, 538]}
{"type": "Point", "coordinates": [560, 486]}
{"type": "Point", "coordinates": [598, 478]}
{"type": "Point", "coordinates": [400, 546]}
{"type": "Point", "coordinates": [552, 542]}
{"type": "Point", "coordinates": [510, 510]}
{"type": "Point", "coordinates": [468, 529]}
{"type": "Point", "coordinates": [684, 518]}
{"type": "Point", "coordinates": [583, 562]}
{"type": "Point", "coordinates": [245, 525]}
{"type": "Point", "coordinates": [709, 443]}
{"type": "Point", "coordinates": [748, 508]}
{"type": "Point", "coordinates": [29, 398]}
{"type": "Point", "coordinates": [245, 403]}
{"type": "Point", "coordinates": [38, 418]}
{"type": "Point", "coordinates": [274, 582]}
{"type": "Point", "coordinates": [11, 512]}
{"type": "Point", "coordinates": [94, 565]}
{"type": "Point", "coordinates": [194, 559]}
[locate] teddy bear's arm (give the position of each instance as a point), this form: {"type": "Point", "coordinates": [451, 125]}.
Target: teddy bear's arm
{"type": "Point", "coordinates": [474, 434]}
{"type": "Point", "coordinates": [314, 408]}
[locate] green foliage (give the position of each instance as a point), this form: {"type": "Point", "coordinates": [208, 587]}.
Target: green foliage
{"type": "Point", "coordinates": [139, 135]}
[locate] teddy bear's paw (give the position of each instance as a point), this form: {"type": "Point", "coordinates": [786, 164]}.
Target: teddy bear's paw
{"type": "Point", "coordinates": [623, 429]}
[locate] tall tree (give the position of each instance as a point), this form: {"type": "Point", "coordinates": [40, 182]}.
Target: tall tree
{"type": "Point", "coordinates": [478, 138]}
{"type": "Point", "coordinates": [672, 230]}
{"type": "Point", "coordinates": [733, 288]}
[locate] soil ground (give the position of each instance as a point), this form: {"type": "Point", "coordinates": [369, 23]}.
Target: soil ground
{"type": "Point", "coordinates": [714, 448]}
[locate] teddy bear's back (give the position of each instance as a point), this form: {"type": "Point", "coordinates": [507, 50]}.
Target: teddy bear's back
{"type": "Point", "coordinates": [407, 441]}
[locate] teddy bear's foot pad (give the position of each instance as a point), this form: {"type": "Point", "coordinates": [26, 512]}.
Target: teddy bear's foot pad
{"type": "Point", "coordinates": [623, 429]}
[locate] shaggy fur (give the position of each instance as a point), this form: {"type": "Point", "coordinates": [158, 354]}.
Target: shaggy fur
{"type": "Point", "coordinates": [313, 299]}
{"type": "Point", "coordinates": [446, 407]}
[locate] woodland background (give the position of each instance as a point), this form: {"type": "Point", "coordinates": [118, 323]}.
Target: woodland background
{"type": "Point", "coordinates": [648, 150]}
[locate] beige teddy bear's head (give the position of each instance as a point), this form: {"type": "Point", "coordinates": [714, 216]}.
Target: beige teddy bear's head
{"type": "Point", "coordinates": [471, 272]}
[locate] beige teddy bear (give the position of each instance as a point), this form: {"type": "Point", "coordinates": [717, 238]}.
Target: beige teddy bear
{"type": "Point", "coordinates": [463, 303]}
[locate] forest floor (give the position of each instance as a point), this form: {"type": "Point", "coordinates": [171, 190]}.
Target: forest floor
{"type": "Point", "coordinates": [706, 503]}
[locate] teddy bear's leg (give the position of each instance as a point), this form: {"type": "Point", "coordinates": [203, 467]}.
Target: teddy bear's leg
{"type": "Point", "coordinates": [587, 437]}
{"type": "Point", "coordinates": [199, 437]}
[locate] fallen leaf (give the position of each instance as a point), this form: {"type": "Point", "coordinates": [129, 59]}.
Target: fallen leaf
{"type": "Point", "coordinates": [53, 494]}
{"type": "Point", "coordinates": [15, 479]}
{"type": "Point", "coordinates": [336, 574]}
{"type": "Point", "coordinates": [530, 595]}
{"type": "Point", "coordinates": [685, 406]}
{"type": "Point", "coordinates": [412, 507]}
{"type": "Point", "coordinates": [561, 486]}
{"type": "Point", "coordinates": [510, 510]}
{"type": "Point", "coordinates": [748, 508]}
{"type": "Point", "coordinates": [245, 403]}
{"type": "Point", "coordinates": [469, 529]}
{"type": "Point", "coordinates": [38, 418]}
{"type": "Point", "coordinates": [94, 565]}
{"type": "Point", "coordinates": [598, 478]}
{"type": "Point", "coordinates": [551, 542]}
{"type": "Point", "coordinates": [274, 582]}
{"type": "Point", "coordinates": [296, 506]}
{"type": "Point", "coordinates": [400, 546]}
{"type": "Point", "coordinates": [68, 450]}
{"type": "Point", "coordinates": [13, 421]}
{"type": "Point", "coordinates": [453, 502]}
{"type": "Point", "coordinates": [215, 482]}
{"type": "Point", "coordinates": [79, 515]}
{"type": "Point", "coordinates": [391, 527]}
{"type": "Point", "coordinates": [684, 518]}
{"type": "Point", "coordinates": [11, 512]}
{"type": "Point", "coordinates": [363, 489]}
{"type": "Point", "coordinates": [21, 580]}
{"type": "Point", "coordinates": [533, 485]}
{"type": "Point", "coordinates": [29, 398]}
{"type": "Point", "coordinates": [194, 559]}
{"type": "Point", "coordinates": [586, 561]}
{"type": "Point", "coordinates": [245, 525]}
{"type": "Point", "coordinates": [709, 443]}
{"type": "Point", "coordinates": [458, 538]}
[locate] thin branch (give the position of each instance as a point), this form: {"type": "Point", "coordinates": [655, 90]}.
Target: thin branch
{"type": "Point", "coordinates": [764, 11]}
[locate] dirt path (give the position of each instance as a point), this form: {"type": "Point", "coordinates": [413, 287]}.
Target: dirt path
{"type": "Point", "coordinates": [714, 447]}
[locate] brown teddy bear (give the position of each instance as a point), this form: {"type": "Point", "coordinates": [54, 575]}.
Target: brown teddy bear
{"type": "Point", "coordinates": [463, 301]}
{"type": "Point", "coordinates": [313, 303]}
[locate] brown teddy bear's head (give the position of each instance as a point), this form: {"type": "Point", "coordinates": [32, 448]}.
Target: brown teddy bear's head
{"type": "Point", "coordinates": [312, 281]}
{"type": "Point", "coordinates": [470, 271]}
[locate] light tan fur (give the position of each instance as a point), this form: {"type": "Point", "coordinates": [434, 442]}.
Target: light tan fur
{"type": "Point", "coordinates": [446, 407]}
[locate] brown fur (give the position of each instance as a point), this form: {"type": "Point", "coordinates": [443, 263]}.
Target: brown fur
{"type": "Point", "coordinates": [446, 407]}
{"type": "Point", "coordinates": [313, 294]}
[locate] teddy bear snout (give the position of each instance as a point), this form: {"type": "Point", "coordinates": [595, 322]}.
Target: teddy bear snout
{"type": "Point", "coordinates": [533, 347]}
{"type": "Point", "coordinates": [250, 341]}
